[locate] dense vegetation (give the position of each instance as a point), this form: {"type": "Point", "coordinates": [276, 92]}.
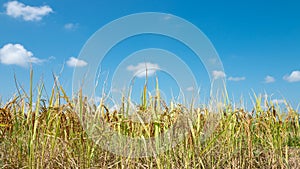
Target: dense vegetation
{"type": "Point", "coordinates": [48, 134]}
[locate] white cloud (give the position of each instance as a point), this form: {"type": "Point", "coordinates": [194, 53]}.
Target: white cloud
{"type": "Point", "coordinates": [28, 13]}
{"type": "Point", "coordinates": [190, 89]}
{"type": "Point", "coordinates": [16, 54]}
{"type": "Point", "coordinates": [167, 17]}
{"type": "Point", "coordinates": [269, 79]}
{"type": "Point", "coordinates": [141, 69]}
{"type": "Point", "coordinates": [236, 79]}
{"type": "Point", "coordinates": [114, 108]}
{"type": "Point", "coordinates": [97, 99]}
{"type": "Point", "coordinates": [293, 77]}
{"type": "Point", "coordinates": [278, 101]}
{"type": "Point", "coordinates": [74, 62]}
{"type": "Point", "coordinates": [52, 58]}
{"type": "Point", "coordinates": [218, 74]}
{"type": "Point", "coordinates": [71, 26]}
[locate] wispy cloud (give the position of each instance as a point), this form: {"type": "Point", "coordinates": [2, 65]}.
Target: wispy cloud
{"type": "Point", "coordinates": [167, 17]}
{"type": "Point", "coordinates": [16, 54]}
{"type": "Point", "coordinates": [71, 26]}
{"type": "Point", "coordinates": [51, 58]}
{"type": "Point", "coordinates": [17, 9]}
{"type": "Point", "coordinates": [190, 89]}
{"type": "Point", "coordinates": [236, 79]}
{"type": "Point", "coordinates": [114, 108]}
{"type": "Point", "coordinates": [293, 77]}
{"type": "Point", "coordinates": [74, 62]}
{"type": "Point", "coordinates": [142, 69]}
{"type": "Point", "coordinates": [269, 79]}
{"type": "Point", "coordinates": [218, 74]}
{"type": "Point", "coordinates": [278, 101]}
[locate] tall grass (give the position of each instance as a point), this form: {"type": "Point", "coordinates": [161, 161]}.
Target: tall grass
{"type": "Point", "coordinates": [48, 134]}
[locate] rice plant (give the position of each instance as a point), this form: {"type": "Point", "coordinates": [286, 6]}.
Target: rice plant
{"type": "Point", "coordinates": [49, 133]}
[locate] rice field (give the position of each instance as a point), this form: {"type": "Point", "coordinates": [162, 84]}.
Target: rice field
{"type": "Point", "coordinates": [47, 133]}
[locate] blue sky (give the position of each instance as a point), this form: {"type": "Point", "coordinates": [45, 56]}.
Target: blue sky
{"type": "Point", "coordinates": [257, 42]}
